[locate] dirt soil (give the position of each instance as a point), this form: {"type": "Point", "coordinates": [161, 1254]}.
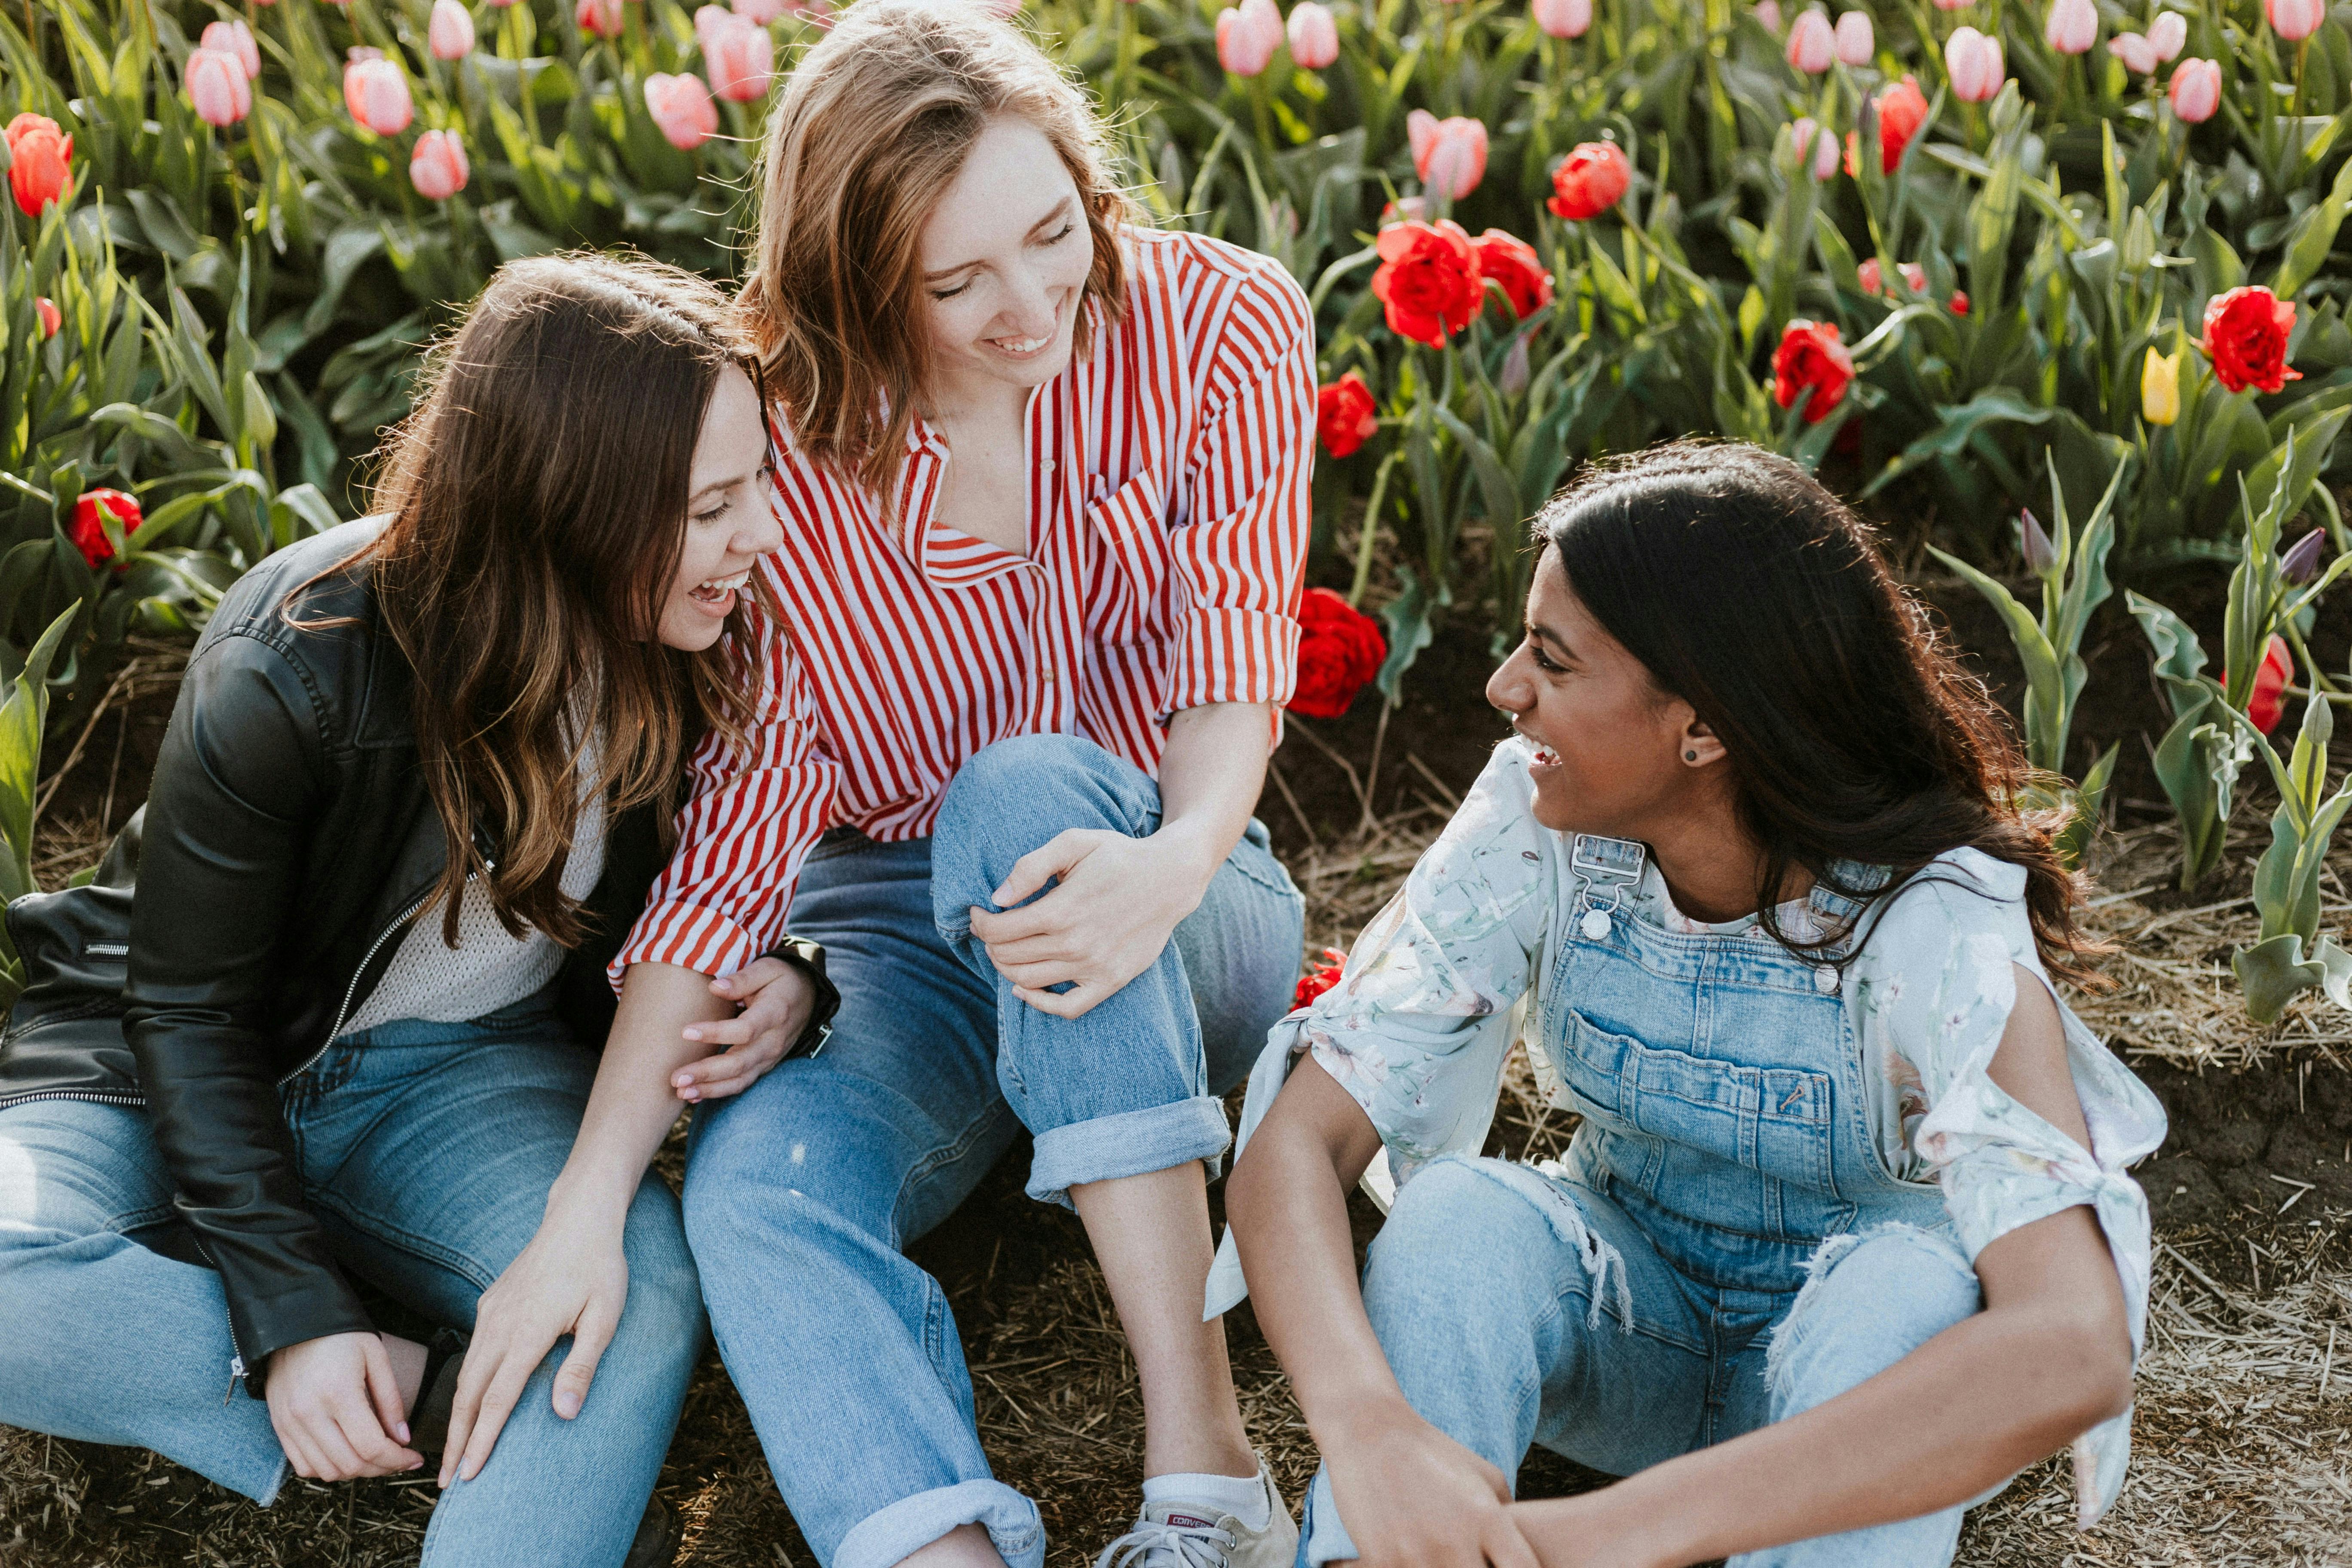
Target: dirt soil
{"type": "Point", "coordinates": [2241, 1399]}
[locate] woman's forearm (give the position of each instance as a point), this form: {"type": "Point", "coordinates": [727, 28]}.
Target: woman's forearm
{"type": "Point", "coordinates": [1980, 1401]}
{"type": "Point", "coordinates": [632, 1107]}
{"type": "Point", "coordinates": [1210, 778]}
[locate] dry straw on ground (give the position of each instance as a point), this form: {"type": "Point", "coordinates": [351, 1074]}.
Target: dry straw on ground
{"type": "Point", "coordinates": [2243, 1428]}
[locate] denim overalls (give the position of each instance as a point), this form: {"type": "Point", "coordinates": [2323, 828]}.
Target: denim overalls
{"type": "Point", "coordinates": [1722, 1246]}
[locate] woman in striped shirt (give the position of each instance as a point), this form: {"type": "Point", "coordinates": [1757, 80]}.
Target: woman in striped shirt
{"type": "Point", "coordinates": [1042, 481]}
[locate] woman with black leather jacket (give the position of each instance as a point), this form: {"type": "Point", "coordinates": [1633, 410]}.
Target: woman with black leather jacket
{"type": "Point", "coordinates": [322, 1019]}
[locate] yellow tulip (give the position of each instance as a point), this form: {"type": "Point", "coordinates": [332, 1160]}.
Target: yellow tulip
{"type": "Point", "coordinates": [2159, 388]}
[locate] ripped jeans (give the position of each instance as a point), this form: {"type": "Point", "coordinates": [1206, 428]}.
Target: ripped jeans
{"type": "Point", "coordinates": [1574, 1331]}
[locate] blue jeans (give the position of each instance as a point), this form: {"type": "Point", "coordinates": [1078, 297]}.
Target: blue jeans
{"type": "Point", "coordinates": [801, 1192]}
{"type": "Point", "coordinates": [426, 1150]}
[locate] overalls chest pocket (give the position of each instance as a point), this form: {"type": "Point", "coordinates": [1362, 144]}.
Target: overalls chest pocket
{"type": "Point", "coordinates": [1127, 593]}
{"type": "Point", "coordinates": [1773, 1121]}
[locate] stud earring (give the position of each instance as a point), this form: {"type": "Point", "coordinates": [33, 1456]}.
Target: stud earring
{"type": "Point", "coordinates": [1690, 756]}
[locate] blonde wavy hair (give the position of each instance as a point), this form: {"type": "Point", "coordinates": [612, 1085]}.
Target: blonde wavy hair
{"type": "Point", "coordinates": [873, 126]}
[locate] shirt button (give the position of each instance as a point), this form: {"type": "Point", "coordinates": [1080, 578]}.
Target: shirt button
{"type": "Point", "coordinates": [1825, 979]}
{"type": "Point", "coordinates": [1048, 674]}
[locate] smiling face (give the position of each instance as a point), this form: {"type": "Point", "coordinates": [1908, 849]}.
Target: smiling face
{"type": "Point", "coordinates": [1616, 756]}
{"type": "Point", "coordinates": [1004, 259]}
{"type": "Point", "coordinates": [727, 525]}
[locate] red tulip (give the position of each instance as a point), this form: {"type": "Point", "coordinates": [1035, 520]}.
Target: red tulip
{"type": "Point", "coordinates": [1339, 650]}
{"type": "Point", "coordinates": [89, 533]}
{"type": "Point", "coordinates": [1512, 262]}
{"type": "Point", "coordinates": [1902, 110]}
{"type": "Point", "coordinates": [1314, 35]}
{"type": "Point", "coordinates": [438, 167]}
{"type": "Point", "coordinates": [1449, 155]}
{"type": "Point", "coordinates": [234, 40]}
{"type": "Point", "coordinates": [1319, 979]}
{"type": "Point", "coordinates": [2266, 703]}
{"type": "Point", "coordinates": [681, 106]}
{"type": "Point", "coordinates": [1345, 414]}
{"type": "Point", "coordinates": [2245, 334]}
{"type": "Point", "coordinates": [2195, 90]}
{"type": "Point", "coordinates": [376, 92]}
{"type": "Point", "coordinates": [1589, 181]}
{"type": "Point", "coordinates": [1428, 280]}
{"type": "Point", "coordinates": [217, 87]}
{"type": "Point", "coordinates": [1810, 355]}
{"type": "Point", "coordinates": [41, 170]}
{"type": "Point", "coordinates": [450, 33]}
{"type": "Point", "coordinates": [51, 317]}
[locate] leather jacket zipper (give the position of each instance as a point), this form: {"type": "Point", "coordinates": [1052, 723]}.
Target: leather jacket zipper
{"type": "Point", "coordinates": [350, 992]}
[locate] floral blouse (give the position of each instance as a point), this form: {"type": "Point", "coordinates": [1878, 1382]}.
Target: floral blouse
{"type": "Point", "coordinates": [1438, 984]}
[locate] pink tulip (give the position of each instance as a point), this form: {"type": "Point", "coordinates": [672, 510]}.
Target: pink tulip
{"type": "Point", "coordinates": [759, 13]}
{"type": "Point", "coordinates": [1952, 4]}
{"type": "Point", "coordinates": [601, 17]}
{"type": "Point", "coordinates": [741, 58]}
{"type": "Point", "coordinates": [1975, 64]}
{"type": "Point", "coordinates": [216, 86]}
{"type": "Point", "coordinates": [2167, 34]}
{"type": "Point", "coordinates": [1247, 35]}
{"type": "Point", "coordinates": [1768, 15]}
{"type": "Point", "coordinates": [2195, 90]}
{"type": "Point", "coordinates": [450, 36]}
{"type": "Point", "coordinates": [1812, 45]}
{"type": "Point", "coordinates": [1315, 36]}
{"type": "Point", "coordinates": [2296, 20]}
{"type": "Point", "coordinates": [494, 4]}
{"type": "Point", "coordinates": [1855, 41]}
{"type": "Point", "coordinates": [1565, 18]}
{"type": "Point", "coordinates": [681, 106]}
{"type": "Point", "coordinates": [2137, 53]}
{"type": "Point", "coordinates": [1815, 142]}
{"type": "Point", "coordinates": [2072, 26]}
{"type": "Point", "coordinates": [1450, 154]}
{"type": "Point", "coordinates": [376, 93]}
{"type": "Point", "coordinates": [437, 168]}
{"type": "Point", "coordinates": [235, 40]}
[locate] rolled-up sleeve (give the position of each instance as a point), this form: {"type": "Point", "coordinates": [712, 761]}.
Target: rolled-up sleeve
{"type": "Point", "coordinates": [1243, 554]}
{"type": "Point", "coordinates": [750, 817]}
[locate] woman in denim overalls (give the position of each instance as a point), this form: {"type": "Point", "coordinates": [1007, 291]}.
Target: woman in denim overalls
{"type": "Point", "coordinates": [1844, 1239]}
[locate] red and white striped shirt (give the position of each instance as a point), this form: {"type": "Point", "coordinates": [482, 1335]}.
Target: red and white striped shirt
{"type": "Point", "coordinates": [1169, 512]}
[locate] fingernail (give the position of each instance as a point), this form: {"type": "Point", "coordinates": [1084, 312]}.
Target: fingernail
{"type": "Point", "coordinates": [403, 1432]}
{"type": "Point", "coordinates": [692, 1095]}
{"type": "Point", "coordinates": [694, 1034]}
{"type": "Point", "coordinates": [683, 1080]}
{"type": "Point", "coordinates": [567, 1407]}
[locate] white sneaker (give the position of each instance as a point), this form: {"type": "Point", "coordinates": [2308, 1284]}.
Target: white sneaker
{"type": "Point", "coordinates": [1180, 1535]}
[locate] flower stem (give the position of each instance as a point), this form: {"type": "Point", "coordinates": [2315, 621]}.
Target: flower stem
{"type": "Point", "coordinates": [1371, 528]}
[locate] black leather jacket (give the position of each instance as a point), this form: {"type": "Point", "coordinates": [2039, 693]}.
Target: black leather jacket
{"type": "Point", "coordinates": [287, 840]}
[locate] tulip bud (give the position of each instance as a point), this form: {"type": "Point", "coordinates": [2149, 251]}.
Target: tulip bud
{"type": "Point", "coordinates": [1768, 14]}
{"type": "Point", "coordinates": [1974, 62]}
{"type": "Point", "coordinates": [1814, 144]}
{"type": "Point", "coordinates": [2159, 388]}
{"type": "Point", "coordinates": [450, 34]}
{"type": "Point", "coordinates": [1315, 36]}
{"type": "Point", "coordinates": [1855, 42]}
{"type": "Point", "coordinates": [216, 84]}
{"type": "Point", "coordinates": [1953, 5]}
{"type": "Point", "coordinates": [599, 17]}
{"type": "Point", "coordinates": [1449, 154]}
{"type": "Point", "coordinates": [2072, 26]}
{"type": "Point", "coordinates": [2041, 555]}
{"type": "Point", "coordinates": [2296, 20]}
{"type": "Point", "coordinates": [51, 317]}
{"type": "Point", "coordinates": [680, 105]}
{"type": "Point", "coordinates": [2300, 565]}
{"type": "Point", "coordinates": [376, 93]}
{"type": "Point", "coordinates": [741, 57]}
{"type": "Point", "coordinates": [1247, 35]}
{"type": "Point", "coordinates": [1812, 43]}
{"type": "Point", "coordinates": [1561, 18]}
{"type": "Point", "coordinates": [2195, 90]}
{"type": "Point", "coordinates": [438, 167]}
{"type": "Point", "coordinates": [759, 13]}
{"type": "Point", "coordinates": [1514, 378]}
{"type": "Point", "coordinates": [235, 40]}
{"type": "Point", "coordinates": [2137, 54]}
{"type": "Point", "coordinates": [2167, 34]}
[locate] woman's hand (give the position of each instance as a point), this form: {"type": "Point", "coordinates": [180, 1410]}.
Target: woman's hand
{"type": "Point", "coordinates": [571, 1279]}
{"type": "Point", "coordinates": [1109, 918]}
{"type": "Point", "coordinates": [776, 998]}
{"type": "Point", "coordinates": [1411, 1497]}
{"type": "Point", "coordinates": [337, 1409]}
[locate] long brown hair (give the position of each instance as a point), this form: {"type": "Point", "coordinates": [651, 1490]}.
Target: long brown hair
{"type": "Point", "coordinates": [1748, 591]}
{"type": "Point", "coordinates": [874, 124]}
{"type": "Point", "coordinates": [537, 499]}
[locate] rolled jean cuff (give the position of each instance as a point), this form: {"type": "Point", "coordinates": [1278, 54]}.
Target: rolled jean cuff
{"type": "Point", "coordinates": [1321, 1537]}
{"type": "Point", "coordinates": [895, 1534]}
{"type": "Point", "coordinates": [1128, 1143]}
